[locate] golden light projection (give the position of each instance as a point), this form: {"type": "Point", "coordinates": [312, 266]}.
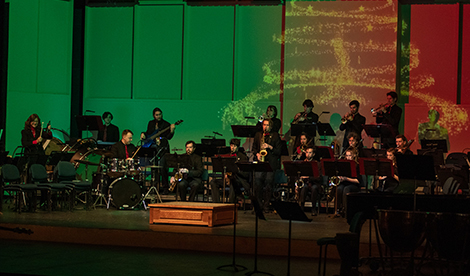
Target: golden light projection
{"type": "Point", "coordinates": [346, 43]}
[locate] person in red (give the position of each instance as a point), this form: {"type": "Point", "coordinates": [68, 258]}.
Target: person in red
{"type": "Point", "coordinates": [124, 149]}
{"type": "Point", "coordinates": [32, 138]}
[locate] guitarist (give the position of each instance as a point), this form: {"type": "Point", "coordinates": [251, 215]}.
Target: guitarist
{"type": "Point", "coordinates": [161, 143]}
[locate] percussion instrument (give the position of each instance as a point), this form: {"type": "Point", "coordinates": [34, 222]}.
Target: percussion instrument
{"type": "Point", "coordinates": [125, 193]}
{"type": "Point", "coordinates": [82, 159]}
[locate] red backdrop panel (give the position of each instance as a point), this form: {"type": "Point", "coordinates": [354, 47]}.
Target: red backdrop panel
{"type": "Point", "coordinates": [465, 95]}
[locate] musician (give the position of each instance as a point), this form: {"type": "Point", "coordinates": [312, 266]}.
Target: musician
{"type": "Point", "coordinates": [389, 184]}
{"type": "Point", "coordinates": [110, 132]}
{"type": "Point", "coordinates": [299, 151]}
{"type": "Point", "coordinates": [32, 139]}
{"type": "Point", "coordinates": [160, 143]}
{"type": "Point", "coordinates": [352, 122]}
{"type": "Point", "coordinates": [402, 145]}
{"type": "Point", "coordinates": [124, 149]}
{"type": "Point", "coordinates": [347, 184]}
{"type": "Point", "coordinates": [271, 113]}
{"type": "Point", "coordinates": [237, 180]}
{"type": "Point", "coordinates": [271, 143]}
{"type": "Point", "coordinates": [389, 114]}
{"type": "Point", "coordinates": [193, 176]}
{"type": "Point", "coordinates": [311, 184]}
{"type": "Point", "coordinates": [307, 116]}
{"type": "Point", "coordinates": [354, 143]}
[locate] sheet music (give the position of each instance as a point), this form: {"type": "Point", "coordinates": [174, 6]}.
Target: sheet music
{"type": "Point", "coordinates": [46, 143]}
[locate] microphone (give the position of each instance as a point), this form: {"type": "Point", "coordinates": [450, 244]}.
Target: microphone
{"type": "Point", "coordinates": [216, 133]}
{"type": "Point", "coordinates": [249, 117]}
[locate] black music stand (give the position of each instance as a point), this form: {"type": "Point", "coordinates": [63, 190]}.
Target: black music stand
{"type": "Point", "coordinates": [374, 153]}
{"type": "Point", "coordinates": [244, 131]}
{"type": "Point", "coordinates": [439, 144]}
{"type": "Point", "coordinates": [323, 152]}
{"type": "Point", "coordinates": [177, 161]}
{"type": "Point", "coordinates": [415, 167]}
{"type": "Point", "coordinates": [255, 167]}
{"type": "Point", "coordinates": [89, 123]}
{"type": "Point", "coordinates": [325, 129]}
{"type": "Point", "coordinates": [298, 169]}
{"type": "Point", "coordinates": [437, 155]}
{"type": "Point", "coordinates": [335, 167]}
{"type": "Point", "coordinates": [309, 128]}
{"type": "Point", "coordinates": [379, 131]}
{"type": "Point", "coordinates": [290, 211]}
{"type": "Point", "coordinates": [377, 167]}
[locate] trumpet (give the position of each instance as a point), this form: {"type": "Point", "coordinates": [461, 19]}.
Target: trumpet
{"type": "Point", "coordinates": [378, 108]}
{"type": "Point", "coordinates": [347, 117]}
{"type": "Point", "coordinates": [298, 119]}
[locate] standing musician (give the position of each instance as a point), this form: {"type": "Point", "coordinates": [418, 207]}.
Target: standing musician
{"type": "Point", "coordinates": [236, 181]}
{"type": "Point", "coordinates": [161, 143]}
{"type": "Point", "coordinates": [352, 122]}
{"type": "Point", "coordinates": [192, 176]}
{"type": "Point", "coordinates": [271, 113]}
{"type": "Point", "coordinates": [32, 137]}
{"type": "Point", "coordinates": [389, 113]}
{"type": "Point", "coordinates": [347, 184]}
{"type": "Point", "coordinates": [304, 143]}
{"type": "Point", "coordinates": [307, 116]}
{"type": "Point", "coordinates": [124, 149]}
{"type": "Point", "coordinates": [110, 132]}
{"type": "Point", "coordinates": [310, 184]}
{"type": "Point", "coordinates": [402, 145]}
{"type": "Point", "coordinates": [267, 145]}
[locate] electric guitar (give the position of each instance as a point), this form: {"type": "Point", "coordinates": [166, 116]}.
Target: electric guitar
{"type": "Point", "coordinates": [148, 142]}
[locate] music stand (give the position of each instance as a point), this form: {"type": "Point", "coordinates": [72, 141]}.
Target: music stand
{"type": "Point", "coordinates": [255, 167]}
{"type": "Point", "coordinates": [298, 169]}
{"type": "Point", "coordinates": [379, 131]}
{"type": "Point", "coordinates": [310, 129]}
{"type": "Point", "coordinates": [377, 167]}
{"type": "Point", "coordinates": [244, 131]}
{"type": "Point", "coordinates": [374, 153]}
{"type": "Point", "coordinates": [437, 155]}
{"type": "Point", "coordinates": [334, 167]}
{"type": "Point", "coordinates": [89, 123]}
{"type": "Point", "coordinates": [177, 161]}
{"type": "Point", "coordinates": [323, 152]}
{"type": "Point", "coordinates": [439, 144]}
{"type": "Point", "coordinates": [325, 129]}
{"type": "Point", "coordinates": [290, 211]}
{"type": "Point", "coordinates": [224, 165]}
{"type": "Point", "coordinates": [415, 167]}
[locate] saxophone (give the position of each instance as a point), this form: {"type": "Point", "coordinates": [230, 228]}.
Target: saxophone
{"type": "Point", "coordinates": [262, 152]}
{"type": "Point", "coordinates": [174, 180]}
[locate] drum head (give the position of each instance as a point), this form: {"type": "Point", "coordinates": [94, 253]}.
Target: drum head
{"type": "Point", "coordinates": [125, 193]}
{"type": "Point", "coordinates": [86, 155]}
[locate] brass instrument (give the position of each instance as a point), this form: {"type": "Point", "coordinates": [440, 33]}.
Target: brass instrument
{"type": "Point", "coordinates": [262, 152]}
{"type": "Point", "coordinates": [261, 118]}
{"type": "Point", "coordinates": [302, 115]}
{"type": "Point", "coordinates": [333, 182]}
{"type": "Point", "coordinates": [299, 184]}
{"type": "Point", "coordinates": [378, 108]}
{"type": "Point", "coordinates": [347, 117]}
{"type": "Point", "coordinates": [179, 175]}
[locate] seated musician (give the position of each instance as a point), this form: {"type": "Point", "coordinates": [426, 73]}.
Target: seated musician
{"type": "Point", "coordinates": [32, 137]}
{"type": "Point", "coordinates": [310, 184]}
{"type": "Point", "coordinates": [347, 184]}
{"type": "Point", "coordinates": [389, 184]}
{"type": "Point", "coordinates": [110, 132]}
{"type": "Point", "coordinates": [192, 174]}
{"type": "Point", "coordinates": [403, 146]}
{"type": "Point", "coordinates": [235, 181]}
{"type": "Point", "coordinates": [267, 145]}
{"type": "Point", "coordinates": [299, 150]}
{"type": "Point", "coordinates": [354, 143]}
{"type": "Point", "coordinates": [160, 143]}
{"type": "Point", "coordinates": [124, 149]}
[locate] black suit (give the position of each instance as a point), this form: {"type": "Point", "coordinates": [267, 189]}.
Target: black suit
{"type": "Point", "coordinates": [112, 133]}
{"type": "Point", "coordinates": [391, 116]}
{"type": "Point", "coordinates": [356, 126]}
{"type": "Point", "coordinates": [265, 180]}
{"type": "Point", "coordinates": [193, 178]}
{"type": "Point", "coordinates": [34, 152]}
{"type": "Point", "coordinates": [118, 150]}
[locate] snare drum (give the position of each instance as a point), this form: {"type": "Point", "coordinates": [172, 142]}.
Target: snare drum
{"type": "Point", "coordinates": [125, 193]}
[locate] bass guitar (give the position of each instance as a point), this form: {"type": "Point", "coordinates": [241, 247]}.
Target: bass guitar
{"type": "Point", "coordinates": [151, 140]}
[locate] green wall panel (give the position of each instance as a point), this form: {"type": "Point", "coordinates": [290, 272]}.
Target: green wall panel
{"type": "Point", "coordinates": [23, 45]}
{"type": "Point", "coordinates": [108, 52]}
{"type": "Point", "coordinates": [157, 52]}
{"type": "Point", "coordinates": [208, 53]}
{"type": "Point", "coordinates": [55, 47]}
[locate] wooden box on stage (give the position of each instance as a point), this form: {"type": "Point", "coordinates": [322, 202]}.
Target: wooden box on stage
{"type": "Point", "coordinates": [194, 213]}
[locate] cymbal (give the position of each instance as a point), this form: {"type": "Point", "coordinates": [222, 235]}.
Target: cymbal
{"type": "Point", "coordinates": [86, 162]}
{"type": "Point", "coordinates": [106, 153]}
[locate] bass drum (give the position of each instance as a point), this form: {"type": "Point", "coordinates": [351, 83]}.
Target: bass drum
{"type": "Point", "coordinates": [125, 193]}
{"type": "Point", "coordinates": [86, 155]}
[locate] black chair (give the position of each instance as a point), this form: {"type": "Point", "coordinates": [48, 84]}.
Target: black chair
{"type": "Point", "coordinates": [66, 174]}
{"type": "Point", "coordinates": [39, 177]}
{"type": "Point", "coordinates": [355, 227]}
